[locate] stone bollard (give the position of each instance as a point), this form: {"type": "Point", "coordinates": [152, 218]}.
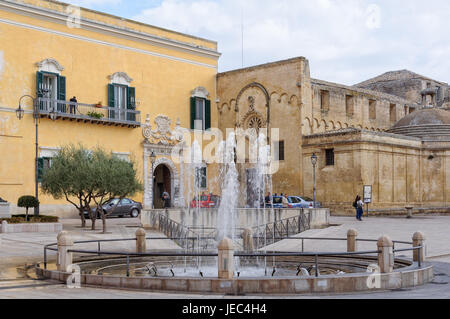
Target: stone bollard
{"type": "Point", "coordinates": [409, 210]}
{"type": "Point", "coordinates": [226, 259]}
{"type": "Point", "coordinates": [386, 254]}
{"type": "Point", "coordinates": [247, 236]}
{"type": "Point", "coordinates": [4, 226]}
{"type": "Point", "coordinates": [64, 258]}
{"type": "Point", "coordinates": [141, 243]}
{"type": "Point", "coordinates": [419, 240]}
{"type": "Point", "coordinates": [351, 240]}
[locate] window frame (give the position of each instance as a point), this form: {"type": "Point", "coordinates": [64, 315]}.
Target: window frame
{"type": "Point", "coordinates": [330, 158]}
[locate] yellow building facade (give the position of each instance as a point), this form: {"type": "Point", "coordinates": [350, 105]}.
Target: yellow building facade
{"type": "Point", "coordinates": [136, 89]}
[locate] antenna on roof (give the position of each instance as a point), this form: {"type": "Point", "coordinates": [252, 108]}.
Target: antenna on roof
{"type": "Point", "coordinates": [242, 34]}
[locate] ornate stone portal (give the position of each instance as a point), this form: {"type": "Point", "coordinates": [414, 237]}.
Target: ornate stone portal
{"type": "Point", "coordinates": [162, 142]}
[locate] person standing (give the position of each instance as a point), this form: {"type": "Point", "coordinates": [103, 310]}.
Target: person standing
{"type": "Point", "coordinates": [358, 205]}
{"type": "Point", "coordinates": [166, 199]}
{"type": "Point", "coordinates": [73, 106]}
{"type": "Point", "coordinates": [284, 201]}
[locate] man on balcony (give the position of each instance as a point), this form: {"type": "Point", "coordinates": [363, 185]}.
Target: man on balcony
{"type": "Point", "coordinates": [73, 106]}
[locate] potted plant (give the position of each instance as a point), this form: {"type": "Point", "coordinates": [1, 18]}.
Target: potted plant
{"type": "Point", "coordinates": [99, 104]}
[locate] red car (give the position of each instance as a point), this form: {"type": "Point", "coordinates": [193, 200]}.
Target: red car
{"type": "Point", "coordinates": [206, 201]}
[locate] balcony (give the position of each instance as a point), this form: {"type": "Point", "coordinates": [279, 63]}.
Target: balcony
{"type": "Point", "coordinates": [88, 113]}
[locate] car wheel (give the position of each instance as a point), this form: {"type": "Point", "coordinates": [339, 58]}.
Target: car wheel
{"type": "Point", "coordinates": [134, 213]}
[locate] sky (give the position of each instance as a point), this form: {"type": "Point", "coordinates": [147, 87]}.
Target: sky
{"type": "Point", "coordinates": [345, 41]}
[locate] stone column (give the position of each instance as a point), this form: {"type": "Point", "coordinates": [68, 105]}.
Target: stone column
{"type": "Point", "coordinates": [409, 210]}
{"type": "Point", "coordinates": [351, 240]}
{"type": "Point", "coordinates": [64, 258]}
{"type": "Point", "coordinates": [141, 243]}
{"type": "Point", "coordinates": [147, 203]}
{"type": "Point", "coordinates": [419, 240]}
{"type": "Point", "coordinates": [226, 259]}
{"type": "Point", "coordinates": [247, 236]}
{"type": "Point", "coordinates": [386, 254]}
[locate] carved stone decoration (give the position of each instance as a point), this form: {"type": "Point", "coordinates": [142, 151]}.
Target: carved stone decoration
{"type": "Point", "coordinates": [251, 103]}
{"type": "Point", "coordinates": [50, 65]}
{"type": "Point", "coordinates": [200, 91]}
{"type": "Point", "coordinates": [120, 78]}
{"type": "Point", "coordinates": [253, 120]}
{"type": "Point", "coordinates": [162, 134]}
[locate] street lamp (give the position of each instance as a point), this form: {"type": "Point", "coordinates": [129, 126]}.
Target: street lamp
{"type": "Point", "coordinates": [152, 160]}
{"type": "Point", "coordinates": [20, 114]}
{"type": "Point", "coordinates": [314, 163]}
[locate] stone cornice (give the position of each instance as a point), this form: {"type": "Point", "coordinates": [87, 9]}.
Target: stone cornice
{"type": "Point", "coordinates": [87, 24]}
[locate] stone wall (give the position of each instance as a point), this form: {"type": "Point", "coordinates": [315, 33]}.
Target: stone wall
{"type": "Point", "coordinates": [401, 171]}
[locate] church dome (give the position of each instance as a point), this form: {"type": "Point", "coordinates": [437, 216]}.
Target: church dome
{"type": "Point", "coordinates": [427, 122]}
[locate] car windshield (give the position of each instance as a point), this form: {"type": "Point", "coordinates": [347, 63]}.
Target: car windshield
{"type": "Point", "coordinates": [308, 199]}
{"type": "Point", "coordinates": [294, 200]}
{"type": "Point", "coordinates": [204, 198]}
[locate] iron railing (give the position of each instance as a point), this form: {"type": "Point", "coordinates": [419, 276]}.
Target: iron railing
{"type": "Point", "coordinates": [281, 229]}
{"type": "Point", "coordinates": [88, 112]}
{"type": "Point", "coordinates": [192, 253]}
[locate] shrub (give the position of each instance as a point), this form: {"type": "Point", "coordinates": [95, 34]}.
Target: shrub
{"type": "Point", "coordinates": [27, 202]}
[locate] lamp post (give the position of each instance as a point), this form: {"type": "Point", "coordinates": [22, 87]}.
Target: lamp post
{"type": "Point", "coordinates": [153, 159]}
{"type": "Point", "coordinates": [314, 163]}
{"type": "Point", "coordinates": [20, 114]}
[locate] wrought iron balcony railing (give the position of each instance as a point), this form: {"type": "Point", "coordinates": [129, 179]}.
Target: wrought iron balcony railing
{"type": "Point", "coordinates": [87, 113]}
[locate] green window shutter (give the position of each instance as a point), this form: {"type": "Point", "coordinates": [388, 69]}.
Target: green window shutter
{"type": "Point", "coordinates": [61, 93]}
{"type": "Point", "coordinates": [193, 114]}
{"type": "Point", "coordinates": [61, 88]}
{"type": "Point", "coordinates": [40, 169]}
{"type": "Point", "coordinates": [39, 81]}
{"type": "Point", "coordinates": [131, 98]}
{"type": "Point", "coordinates": [207, 114]}
{"type": "Point", "coordinates": [111, 100]}
{"type": "Point", "coordinates": [131, 103]}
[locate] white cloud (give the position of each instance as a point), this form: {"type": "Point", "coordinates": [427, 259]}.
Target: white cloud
{"type": "Point", "coordinates": [346, 41]}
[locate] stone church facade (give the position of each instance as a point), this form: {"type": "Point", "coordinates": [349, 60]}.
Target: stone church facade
{"type": "Point", "coordinates": [352, 130]}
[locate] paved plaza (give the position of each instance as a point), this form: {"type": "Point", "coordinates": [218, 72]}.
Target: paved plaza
{"type": "Point", "coordinates": [16, 250]}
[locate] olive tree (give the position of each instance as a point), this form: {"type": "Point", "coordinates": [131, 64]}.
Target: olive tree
{"type": "Point", "coordinates": [85, 178]}
{"type": "Point", "coordinates": [70, 177]}
{"type": "Point", "coordinates": [115, 178]}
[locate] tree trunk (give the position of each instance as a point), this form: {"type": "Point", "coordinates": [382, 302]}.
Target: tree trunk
{"type": "Point", "coordinates": [26, 215]}
{"type": "Point", "coordinates": [104, 222]}
{"type": "Point", "coordinates": [83, 220]}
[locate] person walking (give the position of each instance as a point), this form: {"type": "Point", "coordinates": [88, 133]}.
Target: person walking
{"type": "Point", "coordinates": [358, 205]}
{"type": "Point", "coordinates": [284, 201]}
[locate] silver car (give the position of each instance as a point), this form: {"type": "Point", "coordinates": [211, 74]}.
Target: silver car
{"type": "Point", "coordinates": [127, 207]}
{"type": "Point", "coordinates": [302, 202]}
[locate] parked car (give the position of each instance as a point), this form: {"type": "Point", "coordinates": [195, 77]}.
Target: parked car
{"type": "Point", "coordinates": [302, 202]}
{"type": "Point", "coordinates": [277, 202]}
{"type": "Point", "coordinates": [206, 201]}
{"type": "Point", "coordinates": [127, 207]}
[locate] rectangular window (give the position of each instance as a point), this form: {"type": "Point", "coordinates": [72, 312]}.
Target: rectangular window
{"type": "Point", "coordinates": [324, 100]}
{"type": "Point", "coordinates": [200, 114]}
{"type": "Point", "coordinates": [406, 110]}
{"type": "Point", "coordinates": [199, 123]}
{"type": "Point", "coordinates": [411, 109]}
{"type": "Point", "coordinates": [201, 177]}
{"type": "Point", "coordinates": [393, 113]}
{"type": "Point", "coordinates": [329, 157]}
{"type": "Point", "coordinates": [120, 101]}
{"type": "Point", "coordinates": [372, 109]}
{"type": "Point", "coordinates": [349, 105]}
{"type": "Point", "coordinates": [278, 151]}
